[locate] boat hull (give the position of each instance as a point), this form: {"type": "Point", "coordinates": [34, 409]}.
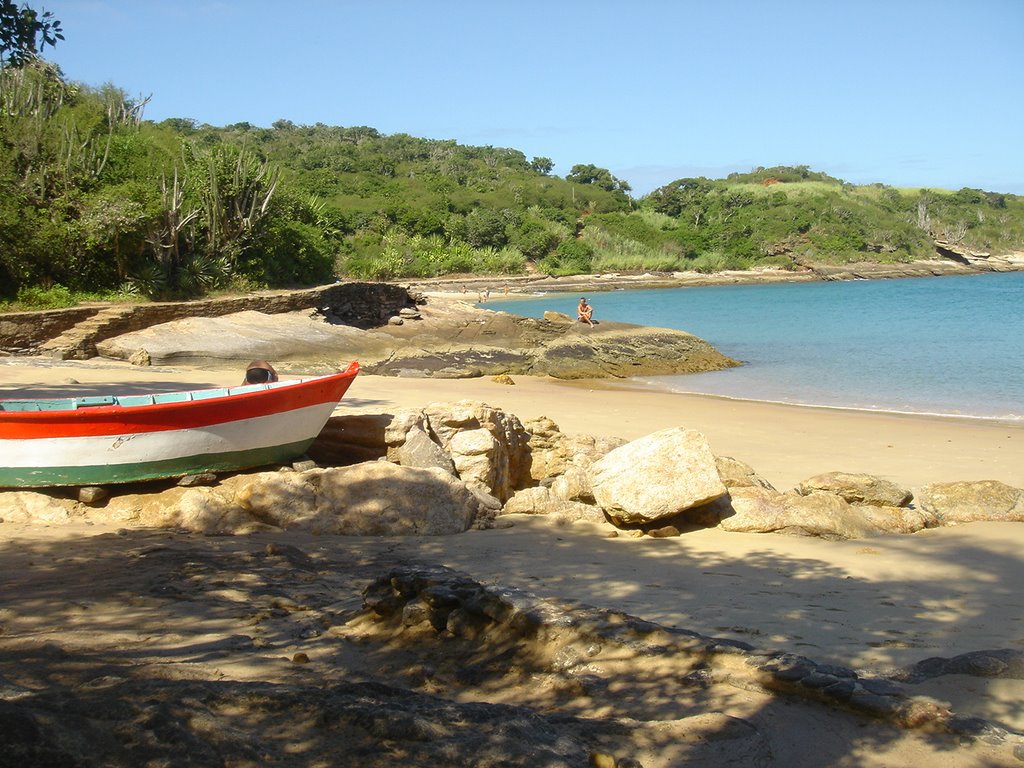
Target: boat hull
{"type": "Point", "coordinates": [177, 434]}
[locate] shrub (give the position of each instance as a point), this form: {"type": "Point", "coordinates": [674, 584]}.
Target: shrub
{"type": "Point", "coordinates": [533, 239]}
{"type": "Point", "coordinates": [54, 297]}
{"type": "Point", "coordinates": [57, 296]}
{"type": "Point", "coordinates": [572, 257]}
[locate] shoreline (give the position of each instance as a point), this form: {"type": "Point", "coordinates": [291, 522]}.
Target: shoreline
{"type": "Point", "coordinates": [523, 286]}
{"type": "Point", "coordinates": [160, 373]}
{"type": "Point", "coordinates": [642, 386]}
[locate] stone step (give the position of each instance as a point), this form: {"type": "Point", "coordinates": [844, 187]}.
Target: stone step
{"type": "Point", "coordinates": [79, 341]}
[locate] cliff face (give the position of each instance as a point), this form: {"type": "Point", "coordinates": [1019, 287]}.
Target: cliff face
{"type": "Point", "coordinates": [440, 338]}
{"type": "Point", "coordinates": [981, 260]}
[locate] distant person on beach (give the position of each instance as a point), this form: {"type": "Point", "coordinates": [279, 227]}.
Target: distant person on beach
{"type": "Point", "coordinates": [585, 312]}
{"type": "Point", "coordinates": [259, 372]}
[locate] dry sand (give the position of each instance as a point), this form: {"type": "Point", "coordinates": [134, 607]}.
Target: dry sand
{"type": "Point", "coordinates": [872, 604]}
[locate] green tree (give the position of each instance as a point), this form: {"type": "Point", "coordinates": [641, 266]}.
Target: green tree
{"type": "Point", "coordinates": [25, 32]}
{"type": "Point", "coordinates": [542, 165]}
{"type": "Point", "coordinates": [236, 193]}
{"type": "Point", "coordinates": [591, 174]}
{"type": "Point", "coordinates": [598, 177]}
{"type": "Point", "coordinates": [683, 195]}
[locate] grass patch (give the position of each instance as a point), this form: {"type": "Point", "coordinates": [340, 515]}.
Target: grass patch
{"type": "Point", "coordinates": [32, 298]}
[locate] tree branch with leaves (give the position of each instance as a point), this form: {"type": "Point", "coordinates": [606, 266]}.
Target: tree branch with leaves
{"type": "Point", "coordinates": [25, 32]}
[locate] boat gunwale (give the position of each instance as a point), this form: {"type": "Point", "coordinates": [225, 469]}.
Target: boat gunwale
{"type": "Point", "coordinates": [258, 391]}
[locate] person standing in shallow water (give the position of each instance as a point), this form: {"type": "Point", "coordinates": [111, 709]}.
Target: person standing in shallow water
{"type": "Point", "coordinates": [585, 312]}
{"type": "Point", "coordinates": [259, 372]}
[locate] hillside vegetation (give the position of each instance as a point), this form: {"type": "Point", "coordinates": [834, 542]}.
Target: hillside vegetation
{"type": "Point", "coordinates": [791, 216]}
{"type": "Point", "coordinates": [96, 201]}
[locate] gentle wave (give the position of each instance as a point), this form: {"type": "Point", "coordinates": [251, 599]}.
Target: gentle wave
{"type": "Point", "coordinates": [662, 387]}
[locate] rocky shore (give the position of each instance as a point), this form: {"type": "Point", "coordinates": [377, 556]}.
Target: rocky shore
{"type": "Point", "coordinates": [438, 337]}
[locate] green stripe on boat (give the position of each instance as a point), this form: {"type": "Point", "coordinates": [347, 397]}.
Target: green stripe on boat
{"type": "Point", "coordinates": [105, 474]}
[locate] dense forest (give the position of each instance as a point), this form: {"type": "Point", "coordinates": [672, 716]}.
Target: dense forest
{"type": "Point", "coordinates": [96, 201]}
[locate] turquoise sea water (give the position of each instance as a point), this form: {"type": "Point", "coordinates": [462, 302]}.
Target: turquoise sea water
{"type": "Point", "coordinates": [938, 345]}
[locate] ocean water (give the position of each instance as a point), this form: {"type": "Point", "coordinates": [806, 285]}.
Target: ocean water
{"type": "Point", "coordinates": [938, 345]}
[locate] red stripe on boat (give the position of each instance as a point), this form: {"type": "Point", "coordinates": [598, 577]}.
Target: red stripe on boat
{"type": "Point", "coordinates": [188, 414]}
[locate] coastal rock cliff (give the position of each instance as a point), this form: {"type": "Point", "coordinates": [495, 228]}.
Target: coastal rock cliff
{"type": "Point", "coordinates": [442, 338]}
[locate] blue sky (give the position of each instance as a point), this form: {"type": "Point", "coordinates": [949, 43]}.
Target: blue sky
{"type": "Point", "coordinates": [903, 92]}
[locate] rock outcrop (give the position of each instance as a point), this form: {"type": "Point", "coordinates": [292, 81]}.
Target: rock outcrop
{"type": "Point", "coordinates": [437, 601]}
{"type": "Point", "coordinates": [759, 510]}
{"type": "Point", "coordinates": [223, 654]}
{"type": "Point", "coordinates": [980, 260]}
{"type": "Point", "coordinates": [487, 446]}
{"type": "Point", "coordinates": [1005, 663]}
{"type": "Point", "coordinates": [554, 453]}
{"type": "Point", "coordinates": [34, 507]}
{"type": "Point", "coordinates": [375, 498]}
{"type": "Point", "coordinates": [857, 488]}
{"type": "Point", "coordinates": [75, 333]}
{"type": "Point", "coordinates": [449, 339]}
{"type": "Point", "coordinates": [541, 500]}
{"type": "Point", "coordinates": [739, 474]}
{"type": "Point", "coordinates": [484, 446]}
{"type": "Point", "coordinates": [967, 501]}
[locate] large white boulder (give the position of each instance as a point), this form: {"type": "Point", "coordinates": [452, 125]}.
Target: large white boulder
{"type": "Point", "coordinates": [657, 476]}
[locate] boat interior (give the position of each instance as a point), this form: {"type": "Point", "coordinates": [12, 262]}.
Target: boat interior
{"type": "Point", "coordinates": [132, 401]}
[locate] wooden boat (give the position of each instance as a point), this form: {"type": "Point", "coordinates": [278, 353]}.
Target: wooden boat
{"type": "Point", "coordinates": [125, 438]}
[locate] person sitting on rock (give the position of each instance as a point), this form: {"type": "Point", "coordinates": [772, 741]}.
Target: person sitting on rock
{"type": "Point", "coordinates": [585, 312]}
{"type": "Point", "coordinates": [259, 372]}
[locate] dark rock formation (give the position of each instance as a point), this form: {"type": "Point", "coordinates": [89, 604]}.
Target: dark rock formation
{"type": "Point", "coordinates": [1005, 663]}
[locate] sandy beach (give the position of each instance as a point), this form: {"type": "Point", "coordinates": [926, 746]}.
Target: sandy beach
{"type": "Point", "coordinates": [872, 604]}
